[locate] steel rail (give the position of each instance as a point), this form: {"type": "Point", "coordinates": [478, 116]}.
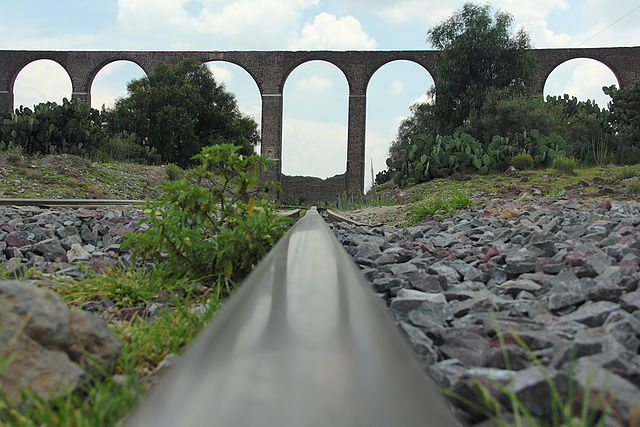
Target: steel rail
{"type": "Point", "coordinates": [68, 202]}
{"type": "Point", "coordinates": [304, 342]}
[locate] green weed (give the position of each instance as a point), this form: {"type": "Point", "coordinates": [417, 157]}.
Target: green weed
{"type": "Point", "coordinates": [634, 187]}
{"type": "Point", "coordinates": [566, 164]}
{"type": "Point", "coordinates": [566, 409]}
{"type": "Point", "coordinates": [440, 206]}
{"type": "Point", "coordinates": [626, 173]}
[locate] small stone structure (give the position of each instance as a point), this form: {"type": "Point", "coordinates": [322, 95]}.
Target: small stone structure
{"type": "Point", "coordinates": [270, 70]}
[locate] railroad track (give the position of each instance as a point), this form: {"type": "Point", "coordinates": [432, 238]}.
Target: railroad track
{"type": "Point", "coordinates": [304, 342]}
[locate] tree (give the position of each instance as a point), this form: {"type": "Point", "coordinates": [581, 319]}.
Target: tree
{"type": "Point", "coordinates": [625, 111]}
{"type": "Point", "coordinates": [479, 56]}
{"type": "Point", "coordinates": [178, 109]}
{"type": "Point", "coordinates": [478, 53]}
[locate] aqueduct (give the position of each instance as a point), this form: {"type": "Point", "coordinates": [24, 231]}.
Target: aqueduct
{"type": "Point", "coordinates": [270, 70]}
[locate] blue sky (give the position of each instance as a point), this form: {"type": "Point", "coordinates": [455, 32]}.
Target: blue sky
{"type": "Point", "coordinates": [315, 97]}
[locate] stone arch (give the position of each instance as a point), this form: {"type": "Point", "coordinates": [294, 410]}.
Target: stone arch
{"type": "Point", "coordinates": [429, 68]}
{"type": "Point", "coordinates": [249, 70]}
{"type": "Point", "coordinates": [91, 88]}
{"type": "Point", "coordinates": [242, 97]}
{"type": "Point", "coordinates": [315, 141]}
{"type": "Point", "coordinates": [99, 66]}
{"type": "Point", "coordinates": [25, 67]}
{"type": "Point", "coordinates": [396, 82]}
{"type": "Point", "coordinates": [19, 66]}
{"type": "Point", "coordinates": [578, 61]}
{"type": "Point", "coordinates": [297, 62]}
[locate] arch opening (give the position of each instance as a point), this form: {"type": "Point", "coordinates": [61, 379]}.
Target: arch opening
{"type": "Point", "coordinates": [315, 116]}
{"type": "Point", "coordinates": [391, 92]}
{"type": "Point", "coordinates": [43, 80]}
{"type": "Point", "coordinates": [110, 83]}
{"type": "Point", "coordinates": [240, 83]}
{"type": "Point", "coordinates": [582, 78]}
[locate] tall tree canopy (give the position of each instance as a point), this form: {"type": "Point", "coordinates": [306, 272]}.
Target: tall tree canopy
{"type": "Point", "coordinates": [178, 109]}
{"type": "Point", "coordinates": [625, 112]}
{"type": "Point", "coordinates": [478, 53]}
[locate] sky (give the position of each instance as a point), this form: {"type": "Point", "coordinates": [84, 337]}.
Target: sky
{"type": "Point", "coordinates": [316, 94]}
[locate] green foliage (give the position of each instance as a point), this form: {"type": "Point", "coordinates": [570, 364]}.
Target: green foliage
{"type": "Point", "coordinates": [211, 224]}
{"type": "Point", "coordinates": [71, 128]}
{"type": "Point", "coordinates": [584, 122]}
{"type": "Point", "coordinates": [173, 171]}
{"type": "Point", "coordinates": [522, 161]}
{"type": "Point", "coordinates": [508, 112]}
{"type": "Point", "coordinates": [634, 187]}
{"type": "Point", "coordinates": [625, 112]}
{"type": "Point", "coordinates": [382, 177]}
{"type": "Point", "coordinates": [178, 109]}
{"type": "Point", "coordinates": [626, 173]}
{"type": "Point", "coordinates": [440, 206]}
{"type": "Point", "coordinates": [544, 149]}
{"type": "Point", "coordinates": [124, 147]}
{"type": "Point", "coordinates": [566, 164]}
{"type": "Point", "coordinates": [567, 409]}
{"type": "Point", "coordinates": [600, 146]}
{"type": "Point", "coordinates": [12, 151]}
{"type": "Point", "coordinates": [478, 53]}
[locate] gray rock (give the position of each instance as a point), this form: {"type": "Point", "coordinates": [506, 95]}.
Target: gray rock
{"type": "Point", "coordinates": [467, 346]}
{"type": "Point", "coordinates": [565, 295]}
{"type": "Point", "coordinates": [593, 314]}
{"type": "Point", "coordinates": [446, 271]}
{"type": "Point", "coordinates": [53, 342]}
{"type": "Point", "coordinates": [394, 255]}
{"type": "Point", "coordinates": [76, 253]}
{"type": "Point", "coordinates": [631, 301]}
{"type": "Point", "coordinates": [427, 282]}
{"type": "Point", "coordinates": [591, 376]}
{"type": "Point", "coordinates": [422, 345]}
{"type": "Point", "coordinates": [51, 250]}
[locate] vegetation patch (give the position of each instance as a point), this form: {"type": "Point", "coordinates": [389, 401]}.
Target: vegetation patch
{"type": "Point", "coordinates": [440, 206]}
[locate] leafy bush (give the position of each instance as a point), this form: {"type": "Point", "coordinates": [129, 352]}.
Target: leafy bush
{"type": "Point", "coordinates": [12, 152]}
{"type": "Point", "coordinates": [566, 164]}
{"type": "Point", "coordinates": [180, 108]}
{"type": "Point", "coordinates": [211, 224]}
{"type": "Point", "coordinates": [522, 161]}
{"type": "Point", "coordinates": [173, 171]}
{"type": "Point", "coordinates": [382, 177]}
{"type": "Point", "coordinates": [123, 147]}
{"type": "Point", "coordinates": [70, 128]}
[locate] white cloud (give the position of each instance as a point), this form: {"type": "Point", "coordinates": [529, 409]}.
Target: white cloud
{"type": "Point", "coordinates": [247, 23]}
{"type": "Point", "coordinates": [423, 99]}
{"type": "Point", "coordinates": [401, 11]}
{"type": "Point", "coordinates": [106, 96]}
{"type": "Point", "coordinates": [41, 81]}
{"type": "Point", "coordinates": [397, 87]}
{"type": "Point", "coordinates": [312, 148]}
{"type": "Point", "coordinates": [582, 78]}
{"type": "Point", "coordinates": [332, 33]}
{"type": "Point", "coordinates": [221, 74]}
{"type": "Point", "coordinates": [314, 83]}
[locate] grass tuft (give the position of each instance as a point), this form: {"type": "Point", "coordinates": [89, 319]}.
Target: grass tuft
{"type": "Point", "coordinates": [440, 206]}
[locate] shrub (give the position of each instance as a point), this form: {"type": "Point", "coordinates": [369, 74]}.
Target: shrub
{"type": "Point", "coordinates": [522, 161]}
{"type": "Point", "coordinates": [566, 164]}
{"type": "Point", "coordinates": [211, 224]}
{"type": "Point", "coordinates": [173, 171]}
{"type": "Point", "coordinates": [12, 152]}
{"type": "Point", "coordinates": [634, 187]}
{"type": "Point", "coordinates": [123, 147]}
